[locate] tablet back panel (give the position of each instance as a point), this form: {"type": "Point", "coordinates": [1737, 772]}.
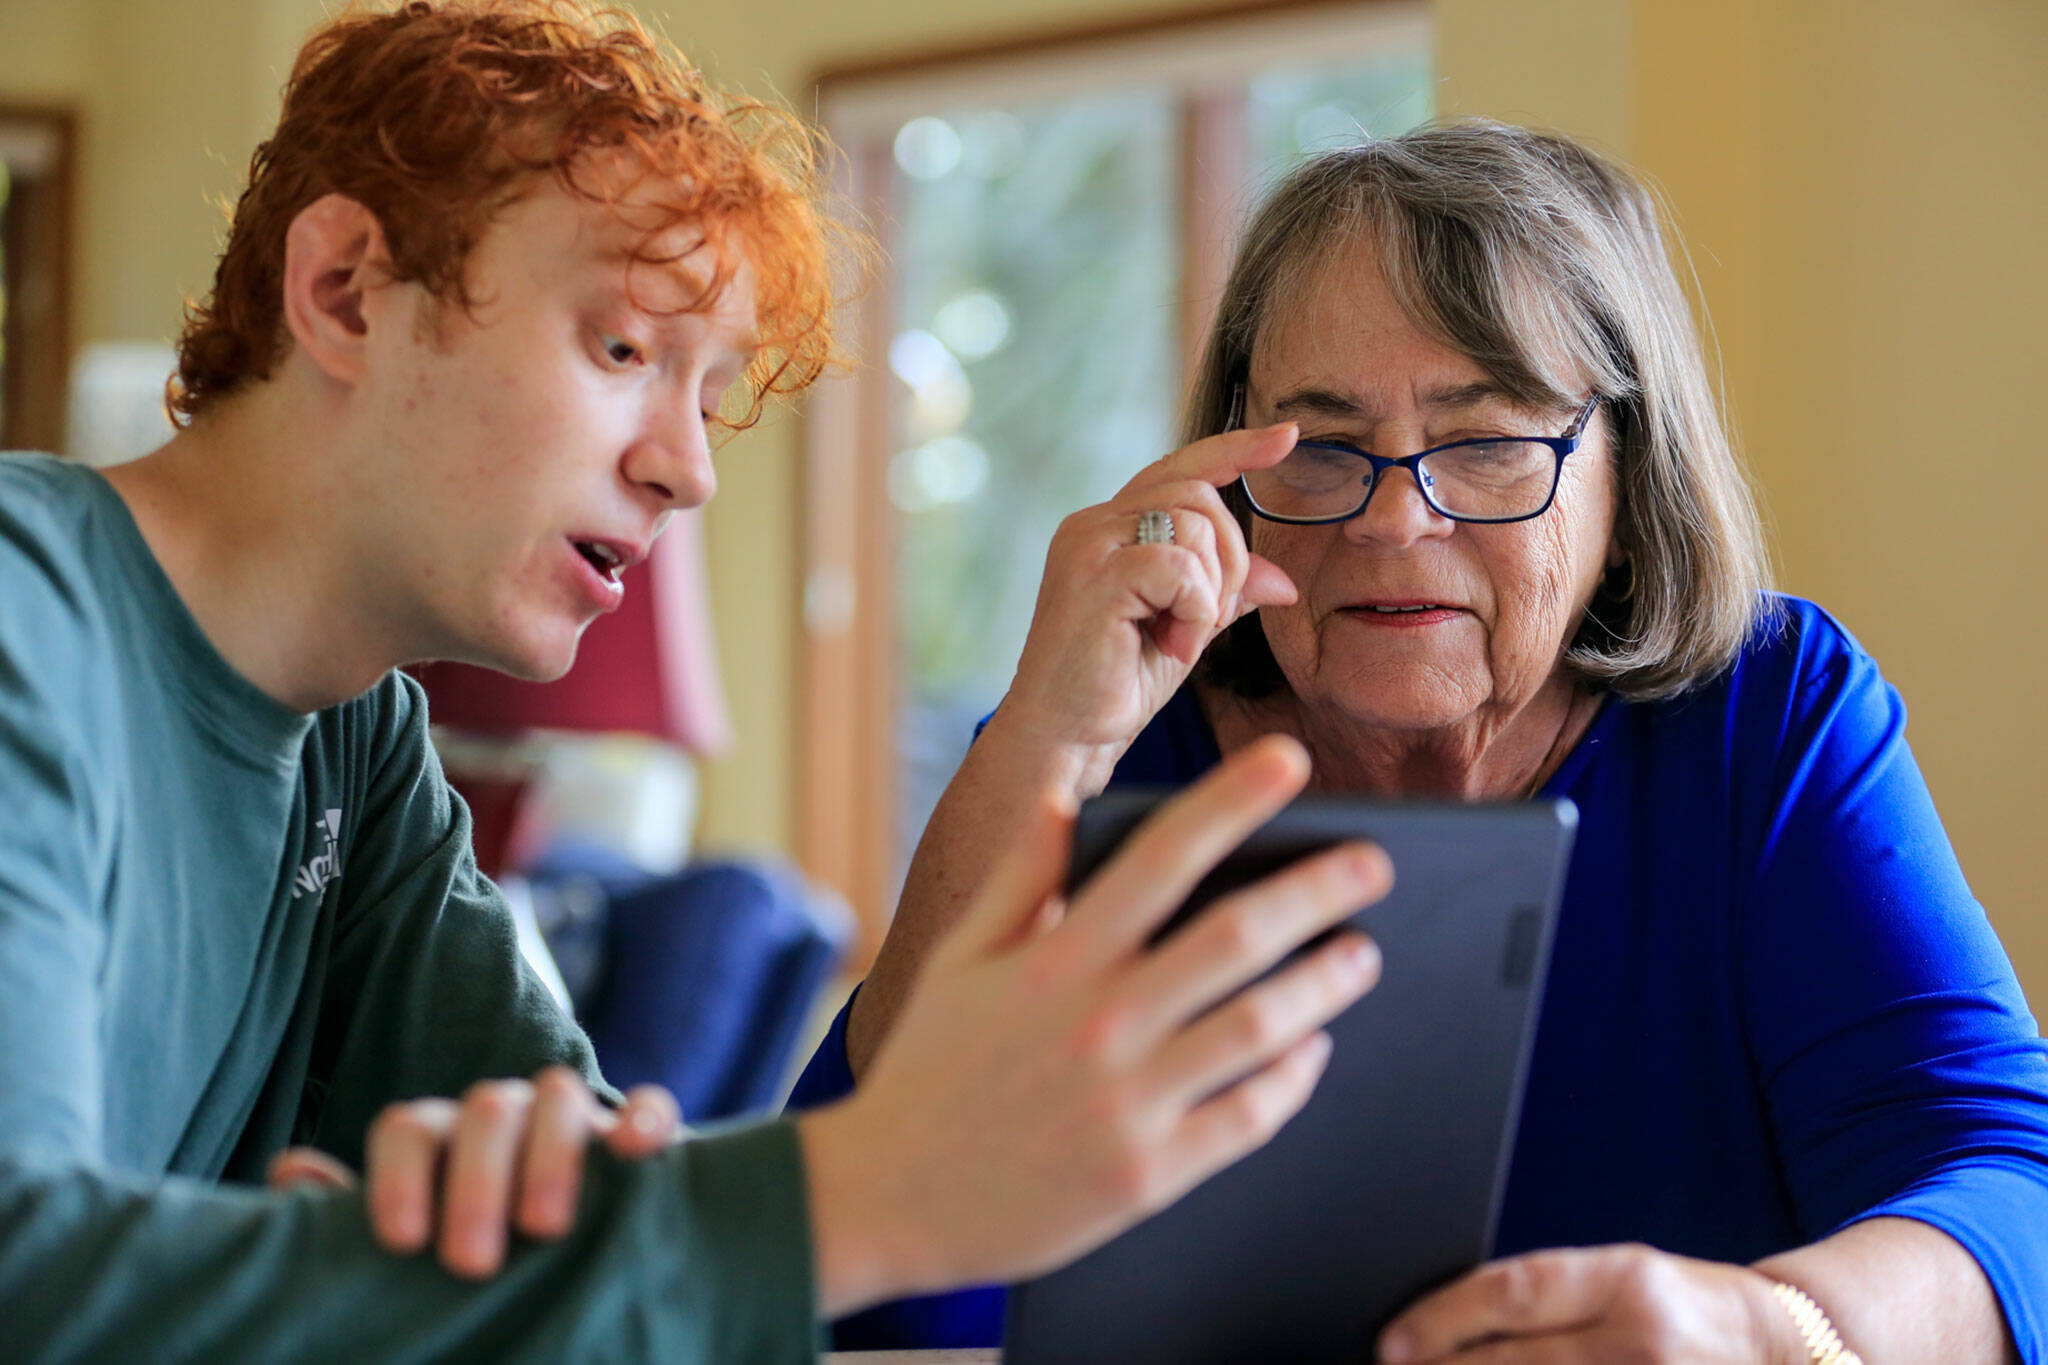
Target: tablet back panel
{"type": "Point", "coordinates": [1388, 1183]}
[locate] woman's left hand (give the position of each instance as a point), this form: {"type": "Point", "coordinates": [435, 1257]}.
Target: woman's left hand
{"type": "Point", "coordinates": [1596, 1304]}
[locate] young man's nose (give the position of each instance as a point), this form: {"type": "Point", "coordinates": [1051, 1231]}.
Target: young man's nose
{"type": "Point", "coordinates": [673, 462]}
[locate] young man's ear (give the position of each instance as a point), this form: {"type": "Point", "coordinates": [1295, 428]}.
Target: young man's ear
{"type": "Point", "coordinates": [334, 254]}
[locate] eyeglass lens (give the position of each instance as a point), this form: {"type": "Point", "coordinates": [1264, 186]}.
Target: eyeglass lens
{"type": "Point", "coordinates": [1482, 480]}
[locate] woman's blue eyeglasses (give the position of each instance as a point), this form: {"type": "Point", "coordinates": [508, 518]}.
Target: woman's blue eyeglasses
{"type": "Point", "coordinates": [1490, 481]}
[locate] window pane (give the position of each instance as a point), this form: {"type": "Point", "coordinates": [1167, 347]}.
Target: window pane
{"type": "Point", "coordinates": [1033, 290]}
{"type": "Point", "coordinates": [1297, 111]}
{"type": "Point", "coordinates": [1033, 280]}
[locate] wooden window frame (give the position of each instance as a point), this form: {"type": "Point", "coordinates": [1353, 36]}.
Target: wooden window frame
{"type": "Point", "coordinates": [845, 705]}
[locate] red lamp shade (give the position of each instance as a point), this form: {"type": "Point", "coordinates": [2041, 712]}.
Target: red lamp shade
{"type": "Point", "coordinates": [650, 667]}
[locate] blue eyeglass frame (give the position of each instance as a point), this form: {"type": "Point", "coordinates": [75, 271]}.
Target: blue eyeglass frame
{"type": "Point", "coordinates": [1560, 446]}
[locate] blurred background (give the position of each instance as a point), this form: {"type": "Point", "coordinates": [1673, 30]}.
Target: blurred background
{"type": "Point", "coordinates": [1859, 183]}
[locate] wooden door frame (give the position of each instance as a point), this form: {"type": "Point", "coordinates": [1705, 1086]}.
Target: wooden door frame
{"type": "Point", "coordinates": [39, 225]}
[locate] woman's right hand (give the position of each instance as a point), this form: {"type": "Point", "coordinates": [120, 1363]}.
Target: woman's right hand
{"type": "Point", "coordinates": [1119, 625]}
{"type": "Point", "coordinates": [1118, 628]}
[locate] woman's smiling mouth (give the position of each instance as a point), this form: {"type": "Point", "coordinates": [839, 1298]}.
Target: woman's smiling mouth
{"type": "Point", "coordinates": [1401, 613]}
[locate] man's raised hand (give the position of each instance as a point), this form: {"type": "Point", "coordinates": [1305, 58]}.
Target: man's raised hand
{"type": "Point", "coordinates": [1054, 1077]}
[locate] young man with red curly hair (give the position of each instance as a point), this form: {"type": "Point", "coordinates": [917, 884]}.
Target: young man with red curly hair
{"type": "Point", "coordinates": [490, 279]}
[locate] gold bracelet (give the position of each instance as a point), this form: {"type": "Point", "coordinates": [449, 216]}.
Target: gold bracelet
{"type": "Point", "coordinates": [1823, 1343]}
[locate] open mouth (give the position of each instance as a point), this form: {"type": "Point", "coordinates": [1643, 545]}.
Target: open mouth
{"type": "Point", "coordinates": [603, 558]}
{"type": "Point", "coordinates": [1405, 611]}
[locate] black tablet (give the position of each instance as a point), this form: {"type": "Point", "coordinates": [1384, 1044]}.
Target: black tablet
{"type": "Point", "coordinates": [1388, 1183]}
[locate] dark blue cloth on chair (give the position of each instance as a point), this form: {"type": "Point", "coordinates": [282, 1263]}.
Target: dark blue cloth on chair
{"type": "Point", "coordinates": [706, 979]}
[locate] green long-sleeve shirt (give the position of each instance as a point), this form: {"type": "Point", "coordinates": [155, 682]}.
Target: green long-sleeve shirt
{"type": "Point", "coordinates": [226, 927]}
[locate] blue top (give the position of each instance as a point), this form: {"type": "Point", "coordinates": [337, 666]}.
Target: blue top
{"type": "Point", "coordinates": [1774, 1006]}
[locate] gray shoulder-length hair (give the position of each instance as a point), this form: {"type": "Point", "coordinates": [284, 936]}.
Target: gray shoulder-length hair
{"type": "Point", "coordinates": [1544, 263]}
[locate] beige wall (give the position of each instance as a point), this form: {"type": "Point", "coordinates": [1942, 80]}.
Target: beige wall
{"type": "Point", "coordinates": [173, 98]}
{"type": "Point", "coordinates": [1859, 182]}
{"type": "Point", "coordinates": [1862, 187]}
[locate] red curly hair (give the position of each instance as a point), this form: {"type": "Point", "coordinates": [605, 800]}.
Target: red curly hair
{"type": "Point", "coordinates": [436, 115]}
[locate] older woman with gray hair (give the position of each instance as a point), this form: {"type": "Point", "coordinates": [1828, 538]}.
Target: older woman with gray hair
{"type": "Point", "coordinates": [1481, 535]}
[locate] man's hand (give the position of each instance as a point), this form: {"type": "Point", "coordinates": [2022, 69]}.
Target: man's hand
{"type": "Point", "coordinates": [1055, 1077]}
{"type": "Point", "coordinates": [1597, 1304]}
{"type": "Point", "coordinates": [508, 1157]}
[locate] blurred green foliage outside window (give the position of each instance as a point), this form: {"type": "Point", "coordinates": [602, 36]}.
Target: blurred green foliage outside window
{"type": "Point", "coordinates": [1034, 279]}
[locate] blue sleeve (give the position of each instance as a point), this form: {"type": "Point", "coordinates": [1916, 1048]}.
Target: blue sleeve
{"type": "Point", "coordinates": [1904, 1074]}
{"type": "Point", "coordinates": [828, 1076]}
